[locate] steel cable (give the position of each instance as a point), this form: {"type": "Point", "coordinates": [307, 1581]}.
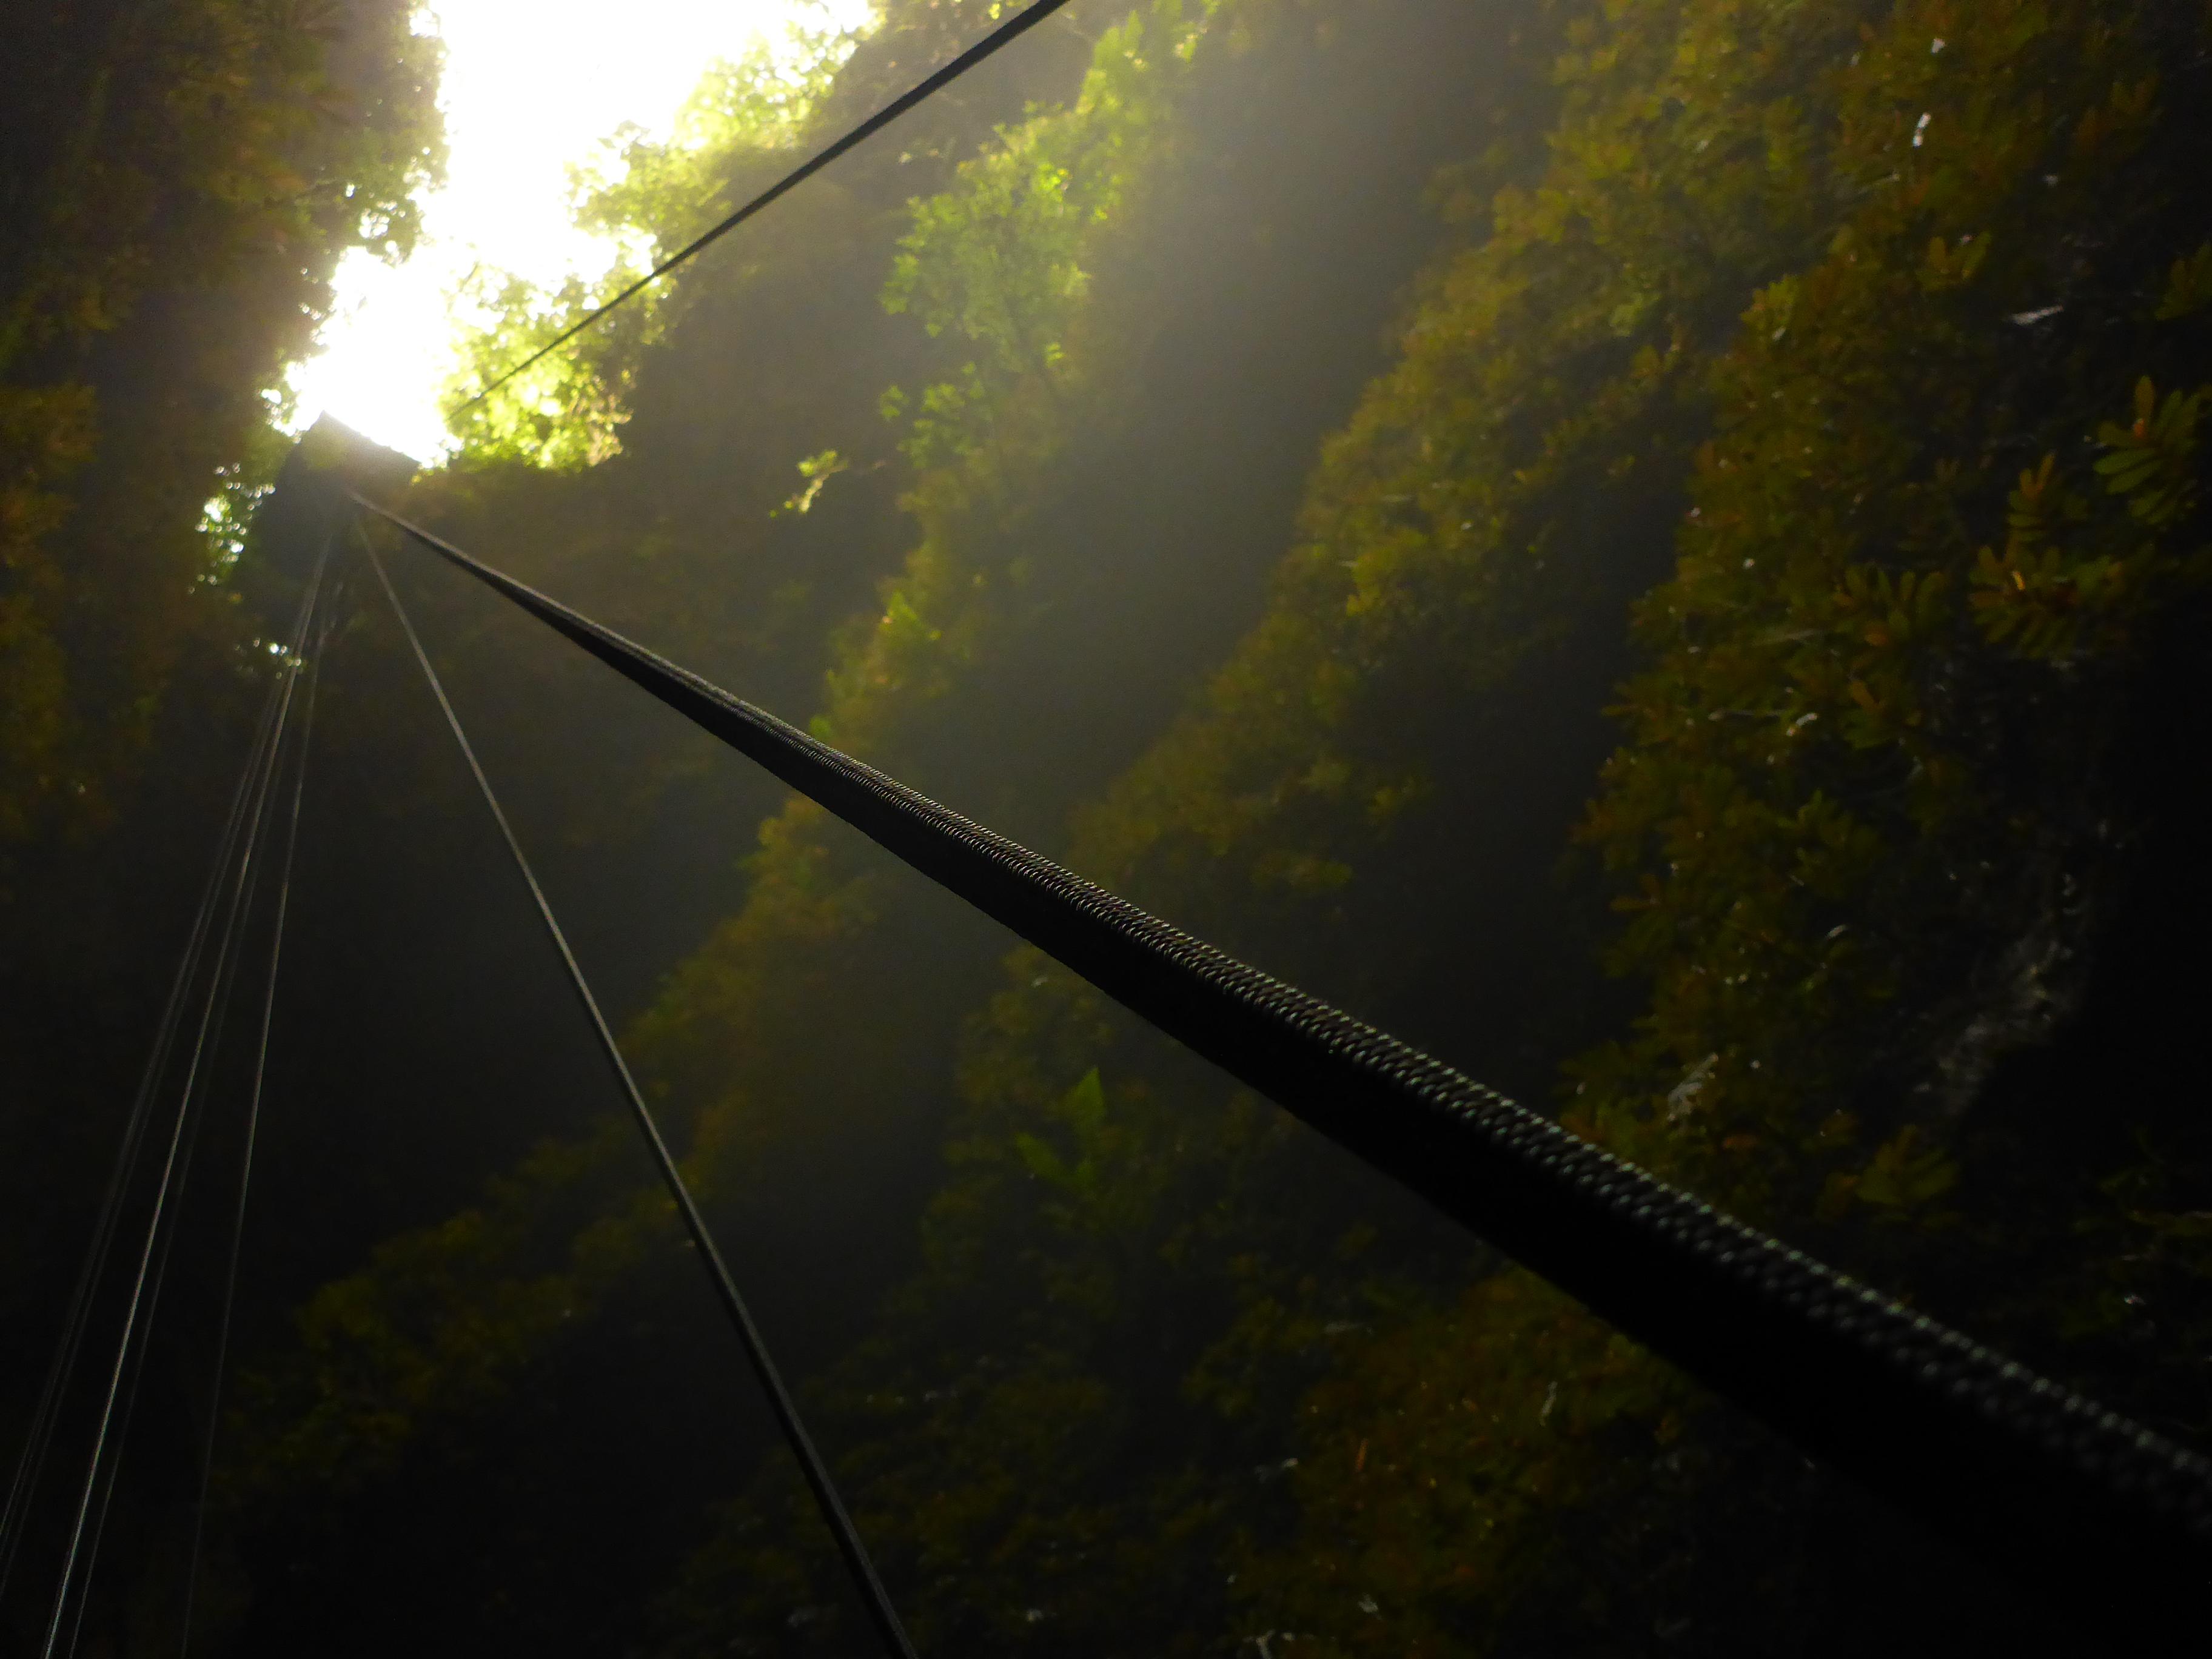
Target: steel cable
{"type": "Point", "coordinates": [226, 985]}
{"type": "Point", "coordinates": [873, 1596]}
{"type": "Point", "coordinates": [1019, 24]}
{"type": "Point", "coordinates": [137, 1303]}
{"type": "Point", "coordinates": [30, 1463]}
{"type": "Point", "coordinates": [111, 1471]}
{"type": "Point", "coordinates": [2044, 1485]}
{"type": "Point", "coordinates": [252, 1132]}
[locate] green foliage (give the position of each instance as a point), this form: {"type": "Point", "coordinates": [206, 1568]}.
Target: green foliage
{"type": "Point", "coordinates": [2188, 287]}
{"type": "Point", "coordinates": [2071, 579]}
{"type": "Point", "coordinates": [733, 134]}
{"type": "Point", "coordinates": [817, 471]}
{"type": "Point", "coordinates": [746, 121]}
{"type": "Point", "coordinates": [997, 262]}
{"type": "Point", "coordinates": [1084, 1111]}
{"type": "Point", "coordinates": [227, 519]}
{"type": "Point", "coordinates": [1812, 767]}
{"type": "Point", "coordinates": [565, 412]}
{"type": "Point", "coordinates": [2151, 464]}
{"type": "Point", "coordinates": [1544, 369]}
{"type": "Point", "coordinates": [180, 181]}
{"type": "Point", "coordinates": [439, 1323]}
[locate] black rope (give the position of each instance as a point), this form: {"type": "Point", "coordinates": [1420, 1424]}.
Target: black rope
{"type": "Point", "coordinates": [253, 1133]}
{"type": "Point", "coordinates": [192, 1111]}
{"type": "Point", "coordinates": [1019, 24]}
{"type": "Point", "coordinates": [111, 1471]}
{"type": "Point", "coordinates": [30, 1463]}
{"type": "Point", "coordinates": [137, 1303]}
{"type": "Point", "coordinates": [877, 1600]}
{"type": "Point", "coordinates": [225, 982]}
{"type": "Point", "coordinates": [2073, 1499]}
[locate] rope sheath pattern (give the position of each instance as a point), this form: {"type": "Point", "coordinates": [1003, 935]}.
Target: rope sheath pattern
{"type": "Point", "coordinates": [2039, 1481]}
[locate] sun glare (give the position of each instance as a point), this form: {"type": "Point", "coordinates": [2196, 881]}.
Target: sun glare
{"type": "Point", "coordinates": [530, 87]}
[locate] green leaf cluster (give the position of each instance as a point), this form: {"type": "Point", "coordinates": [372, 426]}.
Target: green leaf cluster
{"type": "Point", "coordinates": [179, 181]}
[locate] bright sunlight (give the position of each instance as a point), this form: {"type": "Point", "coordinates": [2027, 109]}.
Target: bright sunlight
{"type": "Point", "coordinates": [530, 89]}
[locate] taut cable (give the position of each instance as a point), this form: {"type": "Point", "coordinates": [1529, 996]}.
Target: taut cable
{"type": "Point", "coordinates": [857, 1563]}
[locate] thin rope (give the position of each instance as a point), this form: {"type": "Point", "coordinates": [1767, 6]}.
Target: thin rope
{"type": "Point", "coordinates": [192, 1109]}
{"type": "Point", "coordinates": [136, 1305]}
{"type": "Point", "coordinates": [252, 1132]}
{"type": "Point", "coordinates": [228, 972]}
{"type": "Point", "coordinates": [873, 1596]}
{"type": "Point", "coordinates": [110, 1472]}
{"type": "Point", "coordinates": [30, 1464]}
{"type": "Point", "coordinates": [1019, 24]}
{"type": "Point", "coordinates": [2046, 1485]}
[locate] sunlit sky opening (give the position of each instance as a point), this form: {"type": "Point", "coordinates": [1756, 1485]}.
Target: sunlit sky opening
{"type": "Point", "coordinates": [530, 89]}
